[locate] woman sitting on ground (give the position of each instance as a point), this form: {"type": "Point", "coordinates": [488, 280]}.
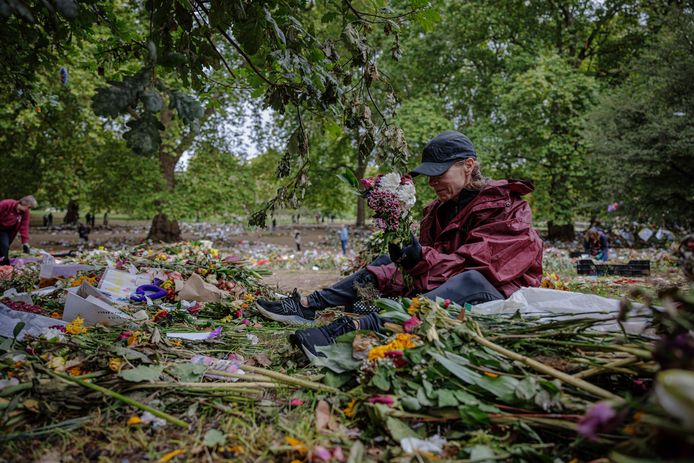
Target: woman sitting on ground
{"type": "Point", "coordinates": [476, 244]}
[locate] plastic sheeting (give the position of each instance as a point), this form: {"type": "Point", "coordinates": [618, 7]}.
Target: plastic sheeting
{"type": "Point", "coordinates": [552, 305]}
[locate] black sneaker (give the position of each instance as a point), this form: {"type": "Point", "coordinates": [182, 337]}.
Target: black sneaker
{"type": "Point", "coordinates": [307, 340]}
{"type": "Point", "coordinates": [288, 310]}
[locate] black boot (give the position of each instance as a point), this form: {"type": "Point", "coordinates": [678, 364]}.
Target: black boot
{"type": "Point", "coordinates": [288, 310]}
{"type": "Point", "coordinates": [307, 340]}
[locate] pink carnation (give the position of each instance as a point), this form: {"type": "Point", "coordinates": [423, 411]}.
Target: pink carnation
{"type": "Point", "coordinates": [410, 325]}
{"type": "Point", "coordinates": [368, 182]}
{"type": "Point", "coordinates": [382, 399]}
{"type": "Point", "coordinates": [405, 179]}
{"type": "Point", "coordinates": [296, 402]}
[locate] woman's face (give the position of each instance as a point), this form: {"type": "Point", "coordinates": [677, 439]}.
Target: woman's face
{"type": "Point", "coordinates": [449, 184]}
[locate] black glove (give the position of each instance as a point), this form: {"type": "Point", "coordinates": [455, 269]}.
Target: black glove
{"type": "Point", "coordinates": [407, 256]}
{"type": "Point", "coordinates": [26, 249]}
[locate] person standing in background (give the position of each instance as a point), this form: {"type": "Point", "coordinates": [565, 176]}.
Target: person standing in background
{"type": "Point", "coordinates": [343, 233]}
{"type": "Point", "coordinates": [14, 218]}
{"type": "Point", "coordinates": [297, 240]}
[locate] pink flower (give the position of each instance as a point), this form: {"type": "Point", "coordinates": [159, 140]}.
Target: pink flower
{"type": "Point", "coordinates": [296, 402]}
{"type": "Point", "coordinates": [368, 182]}
{"type": "Point", "coordinates": [124, 335]}
{"type": "Point", "coordinates": [382, 399]}
{"type": "Point", "coordinates": [410, 325]}
{"type": "Point", "coordinates": [405, 179]}
{"type": "Point", "coordinates": [245, 322]}
{"type": "Point", "coordinates": [320, 454]}
{"type": "Point", "coordinates": [338, 454]}
{"type": "Point", "coordinates": [397, 356]}
{"type": "Point", "coordinates": [446, 303]}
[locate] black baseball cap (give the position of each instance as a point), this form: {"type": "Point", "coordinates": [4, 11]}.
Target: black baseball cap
{"type": "Point", "coordinates": [442, 152]}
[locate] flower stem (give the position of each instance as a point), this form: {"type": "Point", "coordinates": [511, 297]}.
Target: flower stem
{"type": "Point", "coordinates": [170, 418]}
{"type": "Point", "coordinates": [291, 380]}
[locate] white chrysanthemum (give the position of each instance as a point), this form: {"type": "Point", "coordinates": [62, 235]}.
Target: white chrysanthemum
{"type": "Point", "coordinates": [407, 195]}
{"type": "Point", "coordinates": [53, 334]}
{"type": "Point", "coordinates": [390, 183]}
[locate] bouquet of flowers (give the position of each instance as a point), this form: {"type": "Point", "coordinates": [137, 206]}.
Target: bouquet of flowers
{"type": "Point", "coordinates": [391, 196]}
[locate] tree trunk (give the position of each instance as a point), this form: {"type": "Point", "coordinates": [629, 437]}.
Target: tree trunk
{"type": "Point", "coordinates": [361, 204]}
{"type": "Point", "coordinates": [164, 230]}
{"type": "Point", "coordinates": [560, 232]}
{"type": "Point", "coordinates": [72, 216]}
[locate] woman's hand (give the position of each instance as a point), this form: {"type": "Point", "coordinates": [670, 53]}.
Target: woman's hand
{"type": "Point", "coordinates": [407, 256]}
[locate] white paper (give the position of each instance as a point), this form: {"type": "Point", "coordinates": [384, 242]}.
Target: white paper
{"type": "Point", "coordinates": [34, 323]}
{"type": "Point", "coordinates": [94, 307]}
{"type": "Point", "coordinates": [552, 305]}
{"type": "Point", "coordinates": [120, 285]}
{"type": "Point", "coordinates": [645, 234]}
{"type": "Point", "coordinates": [195, 336]}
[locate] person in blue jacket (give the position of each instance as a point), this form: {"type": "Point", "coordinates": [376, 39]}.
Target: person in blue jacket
{"type": "Point", "coordinates": [343, 233]}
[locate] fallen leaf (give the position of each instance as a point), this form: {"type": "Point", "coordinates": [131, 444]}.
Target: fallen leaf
{"type": "Point", "coordinates": [324, 419]}
{"type": "Point", "coordinates": [262, 359]}
{"type": "Point", "coordinates": [362, 344]}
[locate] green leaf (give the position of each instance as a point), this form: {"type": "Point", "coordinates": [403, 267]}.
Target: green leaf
{"type": "Point", "coordinates": [465, 374]}
{"type": "Point", "coordinates": [446, 398]}
{"type": "Point", "coordinates": [337, 380]}
{"type": "Point", "coordinates": [338, 358]}
{"type": "Point", "coordinates": [18, 329]}
{"type": "Point", "coordinates": [188, 372]}
{"type": "Point", "coordinates": [472, 415]}
{"type": "Point", "coordinates": [356, 452]}
{"type": "Point", "coordinates": [422, 398]}
{"type": "Point", "coordinates": [142, 373]}
{"type": "Point", "coordinates": [214, 438]}
{"type": "Point", "coordinates": [131, 354]}
{"type": "Point", "coordinates": [398, 429]}
{"type": "Point", "coordinates": [380, 379]}
{"type": "Point", "coordinates": [395, 315]}
{"type": "Point", "coordinates": [410, 403]}
{"type": "Point", "coordinates": [384, 303]}
{"type": "Point", "coordinates": [349, 178]}
{"type": "Point", "coordinates": [465, 397]}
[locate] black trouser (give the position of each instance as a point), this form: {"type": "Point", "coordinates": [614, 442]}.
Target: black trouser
{"type": "Point", "coordinates": [5, 246]}
{"type": "Point", "coordinates": [466, 287]}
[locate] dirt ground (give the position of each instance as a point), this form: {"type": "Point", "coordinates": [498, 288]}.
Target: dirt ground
{"type": "Point", "coordinates": [322, 236]}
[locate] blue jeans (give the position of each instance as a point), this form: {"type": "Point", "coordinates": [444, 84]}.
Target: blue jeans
{"type": "Point", "coordinates": [5, 246]}
{"type": "Point", "coordinates": [466, 287]}
{"type": "Point", "coordinates": [344, 247]}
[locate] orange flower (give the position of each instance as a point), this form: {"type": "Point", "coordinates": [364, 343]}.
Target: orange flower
{"type": "Point", "coordinates": [349, 409]}
{"type": "Point", "coordinates": [132, 340]}
{"type": "Point", "coordinates": [56, 315]}
{"type": "Point", "coordinates": [133, 420]}
{"type": "Point", "coordinates": [490, 374]}
{"type": "Point", "coordinates": [414, 306]}
{"type": "Point", "coordinates": [75, 371]}
{"type": "Point", "coordinates": [401, 342]}
{"type": "Point", "coordinates": [297, 445]}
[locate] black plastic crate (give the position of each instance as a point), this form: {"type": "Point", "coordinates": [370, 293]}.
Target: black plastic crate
{"type": "Point", "coordinates": [635, 268]}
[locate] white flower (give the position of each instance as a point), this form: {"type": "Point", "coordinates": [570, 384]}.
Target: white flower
{"type": "Point", "coordinates": [390, 183]}
{"type": "Point", "coordinates": [53, 334]}
{"type": "Point", "coordinates": [407, 196]}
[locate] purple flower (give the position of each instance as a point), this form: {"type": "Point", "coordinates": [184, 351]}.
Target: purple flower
{"type": "Point", "coordinates": [320, 454]}
{"type": "Point", "coordinates": [216, 332]}
{"type": "Point", "coordinates": [597, 419]}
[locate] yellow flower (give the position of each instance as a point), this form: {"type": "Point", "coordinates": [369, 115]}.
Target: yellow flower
{"type": "Point", "coordinates": [214, 252]}
{"type": "Point", "coordinates": [296, 444]}
{"type": "Point", "coordinates": [490, 374]}
{"type": "Point", "coordinates": [115, 364]}
{"type": "Point", "coordinates": [56, 315]}
{"type": "Point", "coordinates": [349, 409]}
{"type": "Point", "coordinates": [248, 297]}
{"type": "Point", "coordinates": [78, 281]}
{"type": "Point", "coordinates": [237, 449]}
{"type": "Point", "coordinates": [176, 343]}
{"type": "Point", "coordinates": [76, 326]}
{"type": "Point", "coordinates": [414, 306]}
{"type": "Point", "coordinates": [134, 420]}
{"type": "Point", "coordinates": [227, 319]}
{"type": "Point", "coordinates": [401, 342]}
{"type": "Point", "coordinates": [171, 455]}
{"type": "Point", "coordinates": [101, 248]}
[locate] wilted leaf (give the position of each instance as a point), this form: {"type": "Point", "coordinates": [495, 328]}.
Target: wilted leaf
{"type": "Point", "coordinates": [142, 373]}
{"type": "Point", "coordinates": [188, 372]}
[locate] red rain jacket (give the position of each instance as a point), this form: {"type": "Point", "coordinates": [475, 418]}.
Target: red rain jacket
{"type": "Point", "coordinates": [14, 221]}
{"type": "Point", "coordinates": [493, 234]}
